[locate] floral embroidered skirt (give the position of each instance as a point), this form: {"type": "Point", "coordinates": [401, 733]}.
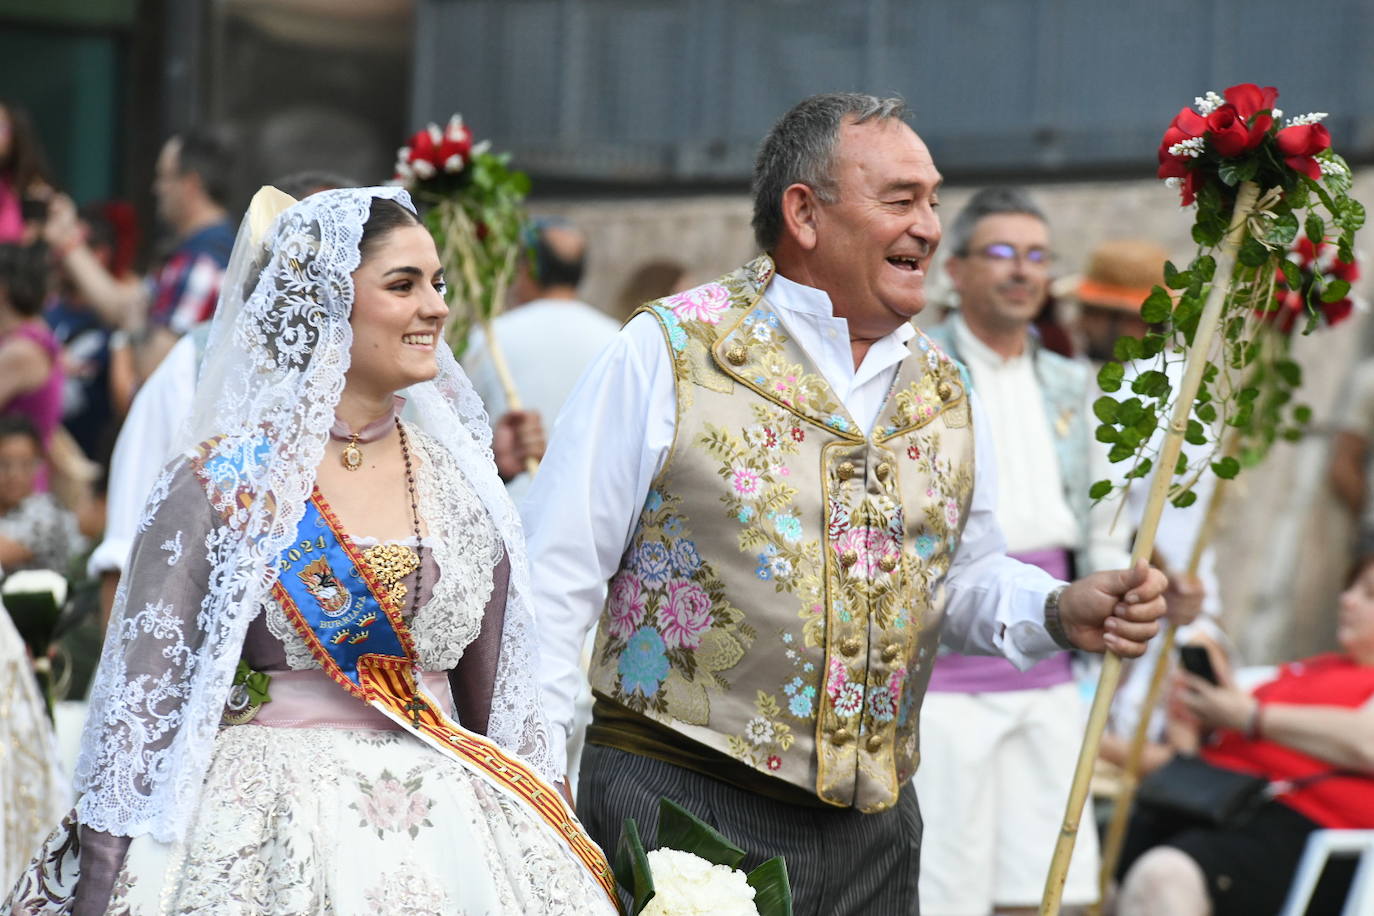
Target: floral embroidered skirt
{"type": "Point", "coordinates": [295, 821]}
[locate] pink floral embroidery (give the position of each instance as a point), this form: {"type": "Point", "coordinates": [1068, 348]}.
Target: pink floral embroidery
{"type": "Point", "coordinates": [705, 303]}
{"type": "Point", "coordinates": [870, 545]}
{"type": "Point", "coordinates": [391, 805]}
{"type": "Point", "coordinates": [952, 513]}
{"type": "Point", "coordinates": [684, 615]}
{"type": "Point", "coordinates": [774, 762]}
{"type": "Point", "coordinates": [746, 482]}
{"type": "Point", "coordinates": [913, 452]}
{"type": "Point", "coordinates": [626, 605]}
{"type": "Point", "coordinates": [798, 434]}
{"type": "Point", "coordinates": [835, 679]}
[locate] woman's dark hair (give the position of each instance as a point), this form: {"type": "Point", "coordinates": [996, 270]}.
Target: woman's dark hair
{"type": "Point", "coordinates": [25, 165]}
{"type": "Point", "coordinates": [386, 215]}
{"type": "Point", "coordinates": [16, 425]}
{"type": "Point", "coordinates": [24, 277]}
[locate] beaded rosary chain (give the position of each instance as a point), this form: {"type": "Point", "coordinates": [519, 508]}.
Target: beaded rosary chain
{"type": "Point", "coordinates": [414, 516]}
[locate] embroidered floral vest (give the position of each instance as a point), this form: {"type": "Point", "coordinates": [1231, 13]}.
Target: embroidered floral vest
{"type": "Point", "coordinates": [781, 597]}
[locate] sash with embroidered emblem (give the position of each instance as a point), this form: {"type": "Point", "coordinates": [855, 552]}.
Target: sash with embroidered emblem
{"type": "Point", "coordinates": [354, 629]}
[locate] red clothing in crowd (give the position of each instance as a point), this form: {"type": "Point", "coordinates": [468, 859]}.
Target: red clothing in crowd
{"type": "Point", "coordinates": [1340, 801]}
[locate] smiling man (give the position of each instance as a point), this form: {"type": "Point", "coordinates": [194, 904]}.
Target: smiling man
{"type": "Point", "coordinates": [779, 498]}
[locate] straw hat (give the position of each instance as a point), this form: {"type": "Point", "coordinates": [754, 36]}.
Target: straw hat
{"type": "Point", "coordinates": [1120, 275]}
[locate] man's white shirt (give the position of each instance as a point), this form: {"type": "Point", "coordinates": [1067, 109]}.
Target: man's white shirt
{"type": "Point", "coordinates": [615, 433]}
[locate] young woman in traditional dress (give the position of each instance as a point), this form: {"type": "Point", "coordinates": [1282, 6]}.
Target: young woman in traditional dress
{"type": "Point", "coordinates": [327, 582]}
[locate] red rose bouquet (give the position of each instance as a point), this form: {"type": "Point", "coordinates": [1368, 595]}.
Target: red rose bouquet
{"type": "Point", "coordinates": [473, 204]}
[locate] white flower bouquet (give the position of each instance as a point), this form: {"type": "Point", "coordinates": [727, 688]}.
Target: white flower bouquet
{"type": "Point", "coordinates": [695, 872]}
{"type": "Point", "coordinates": [34, 599]}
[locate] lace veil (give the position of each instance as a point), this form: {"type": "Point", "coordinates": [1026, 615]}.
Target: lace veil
{"type": "Point", "coordinates": [273, 373]}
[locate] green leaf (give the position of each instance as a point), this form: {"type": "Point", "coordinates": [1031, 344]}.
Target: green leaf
{"type": "Point", "coordinates": [1140, 470]}
{"type": "Point", "coordinates": [1196, 434]}
{"type": "Point", "coordinates": [1247, 395]}
{"type": "Point", "coordinates": [1151, 383]}
{"type": "Point", "coordinates": [1181, 465]}
{"type": "Point", "coordinates": [1252, 252]}
{"type": "Point", "coordinates": [1352, 215]}
{"type": "Point", "coordinates": [1184, 499]}
{"type": "Point", "coordinates": [1335, 291]}
{"type": "Point", "coordinates": [631, 866]}
{"type": "Point", "coordinates": [1152, 345]}
{"type": "Point", "coordinates": [1210, 373]}
{"type": "Point", "coordinates": [1130, 411]}
{"type": "Point", "coordinates": [1209, 228]}
{"type": "Point", "coordinates": [1120, 452]}
{"type": "Point", "coordinates": [1302, 414]}
{"type": "Point", "coordinates": [1292, 273]}
{"type": "Point", "coordinates": [1284, 230]}
{"type": "Point", "coordinates": [1233, 172]}
{"type": "Point", "coordinates": [1100, 489]}
{"type": "Point", "coordinates": [1314, 227]}
{"type": "Point", "coordinates": [1106, 433]}
{"type": "Point", "coordinates": [1126, 349]}
{"type": "Point", "coordinates": [1157, 307]}
{"type": "Point", "coordinates": [1207, 413]}
{"type": "Point", "coordinates": [1289, 371]}
{"type": "Point", "coordinates": [1110, 375]}
{"type": "Point", "coordinates": [1175, 278]}
{"type": "Point", "coordinates": [772, 890]}
{"type": "Point", "coordinates": [1204, 267]}
{"type": "Point", "coordinates": [1227, 468]}
{"type": "Point", "coordinates": [1105, 409]}
{"type": "Point", "coordinates": [680, 829]}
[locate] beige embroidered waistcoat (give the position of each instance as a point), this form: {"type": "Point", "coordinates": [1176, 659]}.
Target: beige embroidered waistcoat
{"type": "Point", "coordinates": [781, 599]}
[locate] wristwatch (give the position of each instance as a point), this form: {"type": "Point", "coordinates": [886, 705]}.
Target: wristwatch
{"type": "Point", "coordinates": [1052, 624]}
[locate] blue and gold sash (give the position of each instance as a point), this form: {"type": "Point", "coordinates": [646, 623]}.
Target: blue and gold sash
{"type": "Point", "coordinates": [355, 630]}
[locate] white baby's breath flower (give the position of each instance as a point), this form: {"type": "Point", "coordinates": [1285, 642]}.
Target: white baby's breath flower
{"type": "Point", "coordinates": [1173, 182]}
{"type": "Point", "coordinates": [1276, 113]}
{"type": "Point", "coordinates": [1330, 167]}
{"type": "Point", "coordinates": [1192, 147]}
{"type": "Point", "coordinates": [1312, 117]}
{"type": "Point", "coordinates": [1208, 103]}
{"type": "Point", "coordinates": [37, 582]}
{"type": "Point", "coordinates": [688, 885]}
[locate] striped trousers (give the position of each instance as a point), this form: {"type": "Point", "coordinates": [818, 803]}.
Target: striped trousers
{"type": "Point", "coordinates": [840, 862]}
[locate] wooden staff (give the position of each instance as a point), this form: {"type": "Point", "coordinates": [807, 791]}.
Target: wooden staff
{"type": "Point", "coordinates": [1246, 195]}
{"type": "Point", "coordinates": [1130, 777]}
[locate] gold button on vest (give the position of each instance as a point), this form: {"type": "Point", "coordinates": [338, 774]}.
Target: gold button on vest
{"type": "Point", "coordinates": [883, 470]}
{"type": "Point", "coordinates": [736, 356]}
{"type": "Point", "coordinates": [851, 646]}
{"type": "Point", "coordinates": [849, 558]}
{"type": "Point", "coordinates": [841, 736]}
{"type": "Point", "coordinates": [845, 471]}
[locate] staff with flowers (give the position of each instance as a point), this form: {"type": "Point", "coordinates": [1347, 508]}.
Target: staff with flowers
{"type": "Point", "coordinates": [1251, 177]}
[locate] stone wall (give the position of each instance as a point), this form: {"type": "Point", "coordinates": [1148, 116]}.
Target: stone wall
{"type": "Point", "coordinates": [1283, 546]}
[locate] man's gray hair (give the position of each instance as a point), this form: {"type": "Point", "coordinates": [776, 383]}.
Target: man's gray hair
{"type": "Point", "coordinates": [800, 149]}
{"type": "Point", "coordinates": [988, 202]}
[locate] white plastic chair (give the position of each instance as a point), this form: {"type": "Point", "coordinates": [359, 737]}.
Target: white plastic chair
{"type": "Point", "coordinates": [1321, 845]}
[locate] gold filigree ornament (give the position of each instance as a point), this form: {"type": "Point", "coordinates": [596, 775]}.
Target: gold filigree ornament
{"type": "Point", "coordinates": [391, 563]}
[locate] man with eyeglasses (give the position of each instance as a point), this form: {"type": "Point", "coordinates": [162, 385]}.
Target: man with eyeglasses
{"type": "Point", "coordinates": [999, 744]}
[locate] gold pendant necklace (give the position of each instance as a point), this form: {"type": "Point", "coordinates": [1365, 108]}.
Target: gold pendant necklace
{"type": "Point", "coordinates": [352, 456]}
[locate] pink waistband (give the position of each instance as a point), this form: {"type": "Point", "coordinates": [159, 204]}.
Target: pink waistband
{"type": "Point", "coordinates": [311, 699]}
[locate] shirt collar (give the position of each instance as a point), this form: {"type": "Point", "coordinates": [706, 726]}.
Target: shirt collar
{"type": "Point", "coordinates": [971, 349]}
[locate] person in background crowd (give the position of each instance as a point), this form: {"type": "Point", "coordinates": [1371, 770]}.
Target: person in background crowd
{"type": "Point", "coordinates": [25, 181]}
{"type": "Point", "coordinates": [650, 281]}
{"type": "Point", "coordinates": [91, 399]}
{"type": "Point", "coordinates": [1350, 455]}
{"type": "Point", "coordinates": [770, 490]}
{"type": "Point", "coordinates": [30, 356]}
{"type": "Point", "coordinates": [192, 189]}
{"type": "Point", "coordinates": [549, 337]}
{"type": "Point", "coordinates": [1313, 726]}
{"type": "Point", "coordinates": [36, 532]}
{"type": "Point", "coordinates": [999, 744]}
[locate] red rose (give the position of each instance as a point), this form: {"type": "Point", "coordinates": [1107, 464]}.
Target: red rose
{"type": "Point", "coordinates": [1227, 130]}
{"type": "Point", "coordinates": [455, 147]}
{"type": "Point", "coordinates": [1186, 125]}
{"type": "Point", "coordinates": [1336, 312]}
{"type": "Point", "coordinates": [1249, 99]}
{"type": "Point", "coordinates": [1300, 143]}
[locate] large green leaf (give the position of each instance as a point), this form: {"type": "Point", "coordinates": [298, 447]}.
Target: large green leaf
{"type": "Point", "coordinates": [680, 829]}
{"type": "Point", "coordinates": [631, 866]}
{"type": "Point", "coordinates": [772, 890]}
